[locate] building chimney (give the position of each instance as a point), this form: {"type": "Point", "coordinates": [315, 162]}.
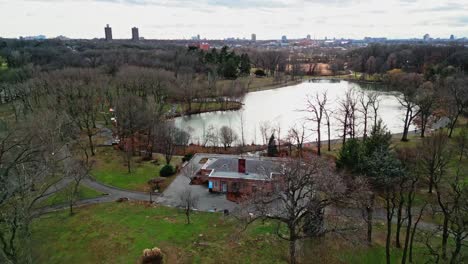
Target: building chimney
{"type": "Point", "coordinates": [241, 166]}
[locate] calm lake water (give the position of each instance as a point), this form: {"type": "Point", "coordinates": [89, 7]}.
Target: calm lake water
{"type": "Point", "coordinates": [282, 107]}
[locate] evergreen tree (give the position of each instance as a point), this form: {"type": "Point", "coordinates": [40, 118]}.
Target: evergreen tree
{"type": "Point", "coordinates": [244, 66]}
{"type": "Point", "coordinates": [272, 149]}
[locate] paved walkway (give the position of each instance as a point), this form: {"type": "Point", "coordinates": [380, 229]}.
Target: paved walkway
{"type": "Point", "coordinates": [208, 202]}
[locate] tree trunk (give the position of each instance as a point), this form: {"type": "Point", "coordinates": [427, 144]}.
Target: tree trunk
{"type": "Point", "coordinates": [388, 240]}
{"type": "Point", "coordinates": [319, 142]}
{"type": "Point", "coordinates": [458, 244]}
{"type": "Point", "coordinates": [406, 126]}
{"type": "Point", "coordinates": [365, 124]}
{"type": "Point", "coordinates": [390, 211]}
{"type": "Point", "coordinates": [187, 214]}
{"type": "Point", "coordinates": [71, 208]}
{"type": "Point", "coordinates": [413, 232]}
{"type": "Point", "coordinates": [292, 251]}
{"type": "Point", "coordinates": [431, 183]}
{"type": "Point", "coordinates": [370, 214]}
{"type": "Point", "coordinates": [329, 141]}
{"type": "Point", "coordinates": [423, 125]}
{"type": "Point", "coordinates": [452, 125]}
{"type": "Point", "coordinates": [408, 231]}
{"type": "Point", "coordinates": [91, 145]}
{"type": "Point", "coordinates": [445, 236]}
{"type": "Point", "coordinates": [399, 223]}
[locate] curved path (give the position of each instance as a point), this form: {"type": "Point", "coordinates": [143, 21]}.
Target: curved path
{"type": "Point", "coordinates": [207, 201]}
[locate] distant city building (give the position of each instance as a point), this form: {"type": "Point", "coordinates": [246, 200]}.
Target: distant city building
{"type": "Point", "coordinates": [452, 37]}
{"type": "Point", "coordinates": [108, 31]}
{"type": "Point", "coordinates": [135, 34]}
{"type": "Point", "coordinates": [284, 39]}
{"type": "Point", "coordinates": [38, 37]}
{"type": "Point", "coordinates": [204, 46]}
{"type": "Point", "coordinates": [61, 37]}
{"type": "Point", "coordinates": [254, 37]}
{"type": "Point", "coordinates": [374, 40]}
{"type": "Point", "coordinates": [426, 37]}
{"type": "Point", "coordinates": [308, 36]}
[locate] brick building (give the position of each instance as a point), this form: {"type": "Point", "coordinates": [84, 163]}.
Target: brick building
{"type": "Point", "coordinates": [238, 177]}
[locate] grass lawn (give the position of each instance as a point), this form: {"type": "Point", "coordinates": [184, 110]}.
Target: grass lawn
{"type": "Point", "coordinates": [119, 232]}
{"type": "Point", "coordinates": [266, 83]}
{"type": "Point", "coordinates": [111, 169]}
{"type": "Point", "coordinates": [61, 197]}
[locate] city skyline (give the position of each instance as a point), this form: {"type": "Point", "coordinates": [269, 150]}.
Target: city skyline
{"type": "Point", "coordinates": [182, 19]}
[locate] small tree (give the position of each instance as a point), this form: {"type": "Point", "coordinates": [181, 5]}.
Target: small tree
{"type": "Point", "coordinates": [272, 149]}
{"type": "Point", "coordinates": [227, 136]}
{"type": "Point", "coordinates": [76, 170]}
{"type": "Point", "coordinates": [188, 201]}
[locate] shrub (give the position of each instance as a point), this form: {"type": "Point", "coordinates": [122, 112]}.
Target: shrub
{"type": "Point", "coordinates": [167, 170]}
{"type": "Point", "coordinates": [259, 73]}
{"type": "Point", "coordinates": [187, 157]}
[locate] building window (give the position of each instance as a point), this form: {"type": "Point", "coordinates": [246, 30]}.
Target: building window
{"type": "Point", "coordinates": [215, 183]}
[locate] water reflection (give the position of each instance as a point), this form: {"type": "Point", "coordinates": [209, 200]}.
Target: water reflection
{"type": "Point", "coordinates": [282, 108]}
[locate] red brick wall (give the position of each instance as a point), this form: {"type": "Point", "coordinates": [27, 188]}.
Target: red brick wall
{"type": "Point", "coordinates": [244, 187]}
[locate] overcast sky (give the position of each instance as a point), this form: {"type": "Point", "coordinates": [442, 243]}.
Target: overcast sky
{"type": "Point", "coordinates": [217, 19]}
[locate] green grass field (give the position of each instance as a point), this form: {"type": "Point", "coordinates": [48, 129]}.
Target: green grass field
{"type": "Point", "coordinates": [111, 169]}
{"type": "Point", "coordinates": [119, 232]}
{"type": "Point", "coordinates": [61, 197]}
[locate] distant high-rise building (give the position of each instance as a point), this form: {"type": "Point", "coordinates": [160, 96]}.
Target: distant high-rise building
{"type": "Point", "coordinates": [108, 31]}
{"type": "Point", "coordinates": [452, 37]}
{"type": "Point", "coordinates": [308, 36]}
{"type": "Point", "coordinates": [254, 37]}
{"type": "Point", "coordinates": [284, 39]}
{"type": "Point", "coordinates": [426, 37]}
{"type": "Point", "coordinates": [135, 34]}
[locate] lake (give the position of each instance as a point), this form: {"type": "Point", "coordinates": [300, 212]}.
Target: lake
{"type": "Point", "coordinates": [283, 107]}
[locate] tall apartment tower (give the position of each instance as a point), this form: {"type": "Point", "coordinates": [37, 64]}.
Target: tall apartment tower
{"type": "Point", "coordinates": [135, 35]}
{"type": "Point", "coordinates": [254, 37]}
{"type": "Point", "coordinates": [108, 31]}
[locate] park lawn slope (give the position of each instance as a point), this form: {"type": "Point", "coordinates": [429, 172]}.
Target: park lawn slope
{"type": "Point", "coordinates": [111, 169]}
{"type": "Point", "coordinates": [118, 233]}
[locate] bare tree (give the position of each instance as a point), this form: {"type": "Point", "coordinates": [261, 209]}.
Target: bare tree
{"type": "Point", "coordinates": [435, 157]}
{"type": "Point", "coordinates": [227, 136]}
{"type": "Point", "coordinates": [242, 126]}
{"type": "Point", "coordinates": [31, 158]}
{"type": "Point", "coordinates": [347, 115]}
{"type": "Point", "coordinates": [451, 197]}
{"type": "Point", "coordinates": [365, 103]}
{"type": "Point", "coordinates": [316, 106]}
{"type": "Point", "coordinates": [297, 199]}
{"type": "Point", "coordinates": [265, 131]}
{"type": "Point", "coordinates": [425, 99]}
{"type": "Point", "coordinates": [298, 136]}
{"type": "Point", "coordinates": [77, 170]}
{"type": "Point", "coordinates": [407, 84]}
{"type": "Point", "coordinates": [374, 101]}
{"type": "Point", "coordinates": [188, 200]}
{"type": "Point", "coordinates": [169, 136]}
{"type": "Point", "coordinates": [363, 196]}
{"type": "Point", "coordinates": [456, 99]}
